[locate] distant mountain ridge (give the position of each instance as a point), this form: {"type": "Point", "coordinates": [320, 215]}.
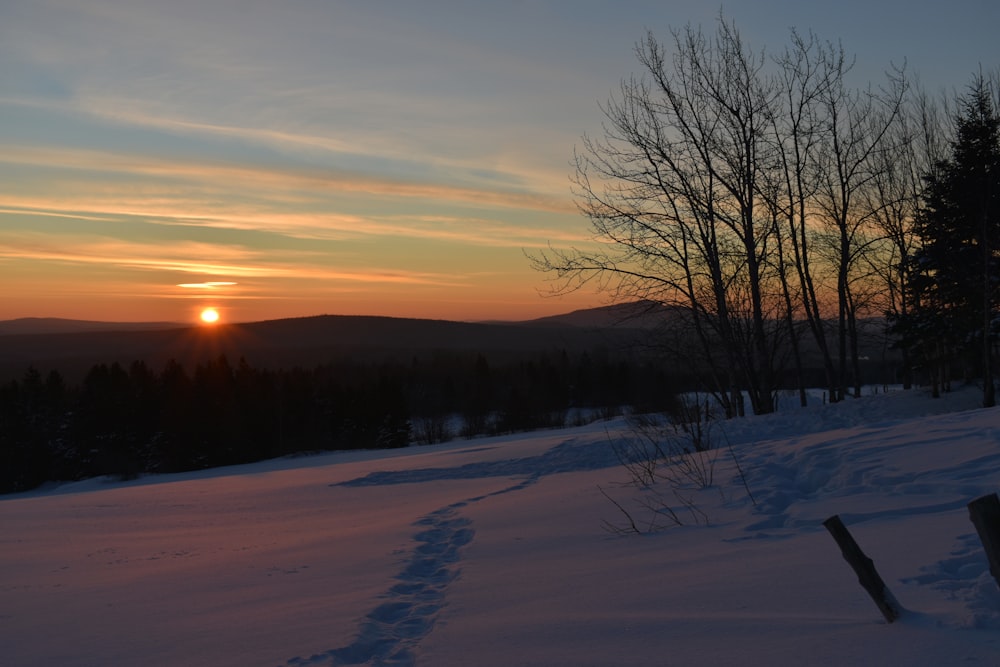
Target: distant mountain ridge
{"type": "Point", "coordinates": [72, 347]}
{"type": "Point", "coordinates": [628, 315]}
{"type": "Point", "coordinates": [307, 341]}
{"type": "Point", "coordinates": [51, 325]}
{"type": "Point", "coordinates": [632, 315]}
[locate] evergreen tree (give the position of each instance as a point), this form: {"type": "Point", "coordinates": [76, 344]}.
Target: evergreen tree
{"type": "Point", "coordinates": [956, 269]}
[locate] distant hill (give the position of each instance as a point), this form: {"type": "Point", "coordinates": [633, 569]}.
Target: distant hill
{"type": "Point", "coordinates": [639, 314]}
{"type": "Point", "coordinates": [306, 342]}
{"type": "Point", "coordinates": [72, 347]}
{"type": "Point", "coordinates": [48, 325]}
{"type": "Point", "coordinates": [634, 315]}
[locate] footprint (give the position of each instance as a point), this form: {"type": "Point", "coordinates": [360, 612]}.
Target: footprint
{"type": "Point", "coordinates": [390, 633]}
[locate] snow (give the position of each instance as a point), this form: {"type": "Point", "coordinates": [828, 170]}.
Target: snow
{"type": "Point", "coordinates": [492, 552]}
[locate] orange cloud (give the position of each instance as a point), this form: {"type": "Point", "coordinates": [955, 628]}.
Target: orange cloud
{"type": "Point", "coordinates": [284, 178]}
{"type": "Point", "coordinates": [301, 204]}
{"type": "Point", "coordinates": [296, 224]}
{"type": "Point", "coordinates": [200, 258]}
{"type": "Point", "coordinates": [215, 284]}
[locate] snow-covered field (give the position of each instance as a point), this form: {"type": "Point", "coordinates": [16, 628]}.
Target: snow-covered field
{"type": "Point", "coordinates": [492, 552]}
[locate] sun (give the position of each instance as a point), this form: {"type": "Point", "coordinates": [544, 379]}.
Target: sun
{"type": "Point", "coordinates": [209, 316]}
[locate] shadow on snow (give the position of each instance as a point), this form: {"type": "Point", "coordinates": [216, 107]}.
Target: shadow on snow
{"type": "Point", "coordinates": [569, 456]}
{"type": "Point", "coordinates": [390, 633]}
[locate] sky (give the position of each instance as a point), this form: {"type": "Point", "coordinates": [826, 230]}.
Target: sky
{"type": "Point", "coordinates": [373, 157]}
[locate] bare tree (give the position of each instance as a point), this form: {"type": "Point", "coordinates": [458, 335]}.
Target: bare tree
{"type": "Point", "coordinates": [757, 196]}
{"type": "Point", "coordinates": [856, 126]}
{"type": "Point", "coordinates": [672, 192]}
{"type": "Point", "coordinates": [807, 70]}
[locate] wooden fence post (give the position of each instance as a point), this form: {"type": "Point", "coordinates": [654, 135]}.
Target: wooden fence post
{"type": "Point", "coordinates": [864, 567]}
{"type": "Point", "coordinates": [985, 515]}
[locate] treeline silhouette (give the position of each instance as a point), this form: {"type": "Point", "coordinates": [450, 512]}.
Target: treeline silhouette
{"type": "Point", "coordinates": [126, 421]}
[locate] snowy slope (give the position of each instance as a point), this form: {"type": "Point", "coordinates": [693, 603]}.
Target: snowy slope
{"type": "Point", "coordinates": [492, 552]}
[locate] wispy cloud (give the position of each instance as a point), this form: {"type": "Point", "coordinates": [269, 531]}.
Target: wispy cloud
{"type": "Point", "coordinates": [99, 185]}
{"type": "Point", "coordinates": [282, 179]}
{"type": "Point", "coordinates": [76, 215]}
{"type": "Point", "coordinates": [202, 259]}
{"type": "Point", "coordinates": [210, 285]}
{"type": "Point", "coordinates": [320, 226]}
{"type": "Point", "coordinates": [183, 257]}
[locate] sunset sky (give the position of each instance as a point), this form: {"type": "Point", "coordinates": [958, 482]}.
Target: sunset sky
{"type": "Point", "coordinates": [276, 159]}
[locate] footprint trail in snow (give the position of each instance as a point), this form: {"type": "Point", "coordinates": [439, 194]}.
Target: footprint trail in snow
{"type": "Point", "coordinates": [390, 632]}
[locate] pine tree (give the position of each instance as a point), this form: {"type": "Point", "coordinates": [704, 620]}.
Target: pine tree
{"type": "Point", "coordinates": [956, 269]}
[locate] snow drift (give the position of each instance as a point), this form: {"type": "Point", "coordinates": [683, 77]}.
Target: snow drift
{"type": "Point", "coordinates": [491, 552]}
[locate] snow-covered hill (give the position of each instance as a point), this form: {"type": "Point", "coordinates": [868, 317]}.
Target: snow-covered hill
{"type": "Point", "coordinates": [492, 552]}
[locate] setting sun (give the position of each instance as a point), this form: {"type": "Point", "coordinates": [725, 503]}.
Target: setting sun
{"type": "Point", "coordinates": [210, 316]}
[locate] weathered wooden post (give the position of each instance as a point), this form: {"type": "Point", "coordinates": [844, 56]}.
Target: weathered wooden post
{"type": "Point", "coordinates": [864, 567]}
{"type": "Point", "coordinates": [985, 515]}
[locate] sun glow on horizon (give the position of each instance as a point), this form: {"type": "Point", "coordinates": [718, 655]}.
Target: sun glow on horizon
{"type": "Point", "coordinates": [209, 285]}
{"type": "Point", "coordinates": [209, 315]}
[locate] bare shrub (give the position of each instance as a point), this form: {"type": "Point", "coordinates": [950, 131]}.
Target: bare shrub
{"type": "Point", "coordinates": [669, 459]}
